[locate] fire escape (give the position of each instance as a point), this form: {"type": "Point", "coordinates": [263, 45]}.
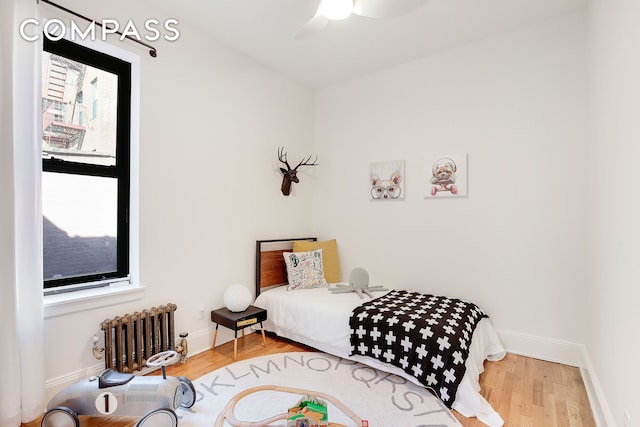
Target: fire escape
{"type": "Point", "coordinates": [59, 108]}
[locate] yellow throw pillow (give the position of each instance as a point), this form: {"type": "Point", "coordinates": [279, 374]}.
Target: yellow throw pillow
{"type": "Point", "coordinates": [329, 256]}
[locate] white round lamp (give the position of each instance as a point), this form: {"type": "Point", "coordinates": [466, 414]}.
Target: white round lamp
{"type": "Point", "coordinates": [336, 10]}
{"type": "Point", "coordinates": [237, 297]}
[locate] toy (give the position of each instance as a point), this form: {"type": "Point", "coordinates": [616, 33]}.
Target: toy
{"type": "Point", "coordinates": [308, 412]}
{"type": "Point", "coordinates": [112, 393]}
{"type": "Point", "coordinates": [444, 176]}
{"type": "Point", "coordinates": [358, 283]}
{"type": "Point", "coordinates": [227, 412]}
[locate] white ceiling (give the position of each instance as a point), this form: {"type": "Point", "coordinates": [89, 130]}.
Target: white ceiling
{"type": "Point", "coordinates": [264, 29]}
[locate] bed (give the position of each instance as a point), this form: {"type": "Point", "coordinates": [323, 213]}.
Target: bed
{"type": "Point", "coordinates": [321, 319]}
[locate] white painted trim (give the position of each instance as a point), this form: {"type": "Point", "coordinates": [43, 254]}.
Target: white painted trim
{"type": "Point", "coordinates": [552, 350]}
{"type": "Point", "coordinates": [201, 340]}
{"type": "Point", "coordinates": [90, 299]}
{"type": "Point", "coordinates": [599, 406]}
{"type": "Point", "coordinates": [198, 341]}
{"type": "Point", "coordinates": [56, 384]}
{"type": "Point", "coordinates": [567, 353]}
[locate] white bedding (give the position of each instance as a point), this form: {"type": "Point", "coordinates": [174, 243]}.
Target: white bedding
{"type": "Point", "coordinates": [320, 319]}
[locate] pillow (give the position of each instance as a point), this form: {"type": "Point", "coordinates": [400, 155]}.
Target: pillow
{"type": "Point", "coordinates": [329, 256]}
{"type": "Point", "coordinates": [304, 270]}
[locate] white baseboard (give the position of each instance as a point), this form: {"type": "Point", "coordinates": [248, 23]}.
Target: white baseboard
{"type": "Point", "coordinates": [599, 406]}
{"type": "Point", "coordinates": [566, 353]}
{"type": "Point", "coordinates": [552, 350]}
{"type": "Point", "coordinates": [56, 384]}
{"type": "Point", "coordinates": [201, 340]}
{"type": "Point", "coordinates": [198, 342]}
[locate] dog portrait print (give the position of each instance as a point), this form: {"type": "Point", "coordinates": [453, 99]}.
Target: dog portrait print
{"type": "Point", "coordinates": [386, 180]}
{"type": "Point", "coordinates": [446, 176]}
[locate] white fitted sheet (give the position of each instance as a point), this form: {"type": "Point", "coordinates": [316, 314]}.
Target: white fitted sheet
{"type": "Point", "coordinates": [320, 319]}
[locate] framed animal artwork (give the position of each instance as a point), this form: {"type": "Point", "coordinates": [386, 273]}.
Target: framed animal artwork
{"type": "Point", "coordinates": [446, 176]}
{"type": "Point", "coordinates": [386, 180]}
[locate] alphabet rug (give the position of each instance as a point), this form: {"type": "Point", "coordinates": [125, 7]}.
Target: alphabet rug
{"type": "Point", "coordinates": [352, 392]}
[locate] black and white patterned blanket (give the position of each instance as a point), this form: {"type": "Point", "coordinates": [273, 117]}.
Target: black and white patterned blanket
{"type": "Point", "coordinates": [427, 336]}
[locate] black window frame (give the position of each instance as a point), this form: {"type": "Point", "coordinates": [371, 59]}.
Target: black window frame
{"type": "Point", "coordinates": [120, 171]}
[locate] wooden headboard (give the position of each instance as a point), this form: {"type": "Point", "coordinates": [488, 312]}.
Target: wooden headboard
{"type": "Point", "coordinates": [270, 267]}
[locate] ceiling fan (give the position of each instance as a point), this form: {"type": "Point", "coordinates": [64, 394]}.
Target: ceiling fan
{"type": "Point", "coordinates": [334, 10]}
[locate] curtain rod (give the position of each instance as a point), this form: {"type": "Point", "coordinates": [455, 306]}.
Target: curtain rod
{"type": "Point", "coordinates": [152, 50]}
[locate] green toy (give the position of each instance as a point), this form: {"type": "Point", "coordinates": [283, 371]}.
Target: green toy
{"type": "Point", "coordinates": [314, 407]}
{"type": "Point", "coordinates": [309, 412]}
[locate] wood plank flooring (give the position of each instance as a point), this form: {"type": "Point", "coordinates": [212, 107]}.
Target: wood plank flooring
{"type": "Point", "coordinates": [526, 392]}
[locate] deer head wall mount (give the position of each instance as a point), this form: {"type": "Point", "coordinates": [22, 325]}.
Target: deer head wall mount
{"type": "Point", "coordinates": [289, 175]}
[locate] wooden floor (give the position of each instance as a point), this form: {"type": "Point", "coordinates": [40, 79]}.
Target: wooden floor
{"type": "Point", "coordinates": [526, 392]}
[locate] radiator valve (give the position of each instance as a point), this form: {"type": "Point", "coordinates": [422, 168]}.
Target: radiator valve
{"type": "Point", "coordinates": [183, 347]}
{"type": "Point", "coordinates": [97, 351]}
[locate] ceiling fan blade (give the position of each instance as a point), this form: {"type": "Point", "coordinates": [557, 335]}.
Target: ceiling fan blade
{"type": "Point", "coordinates": [385, 8]}
{"type": "Point", "coordinates": [312, 27]}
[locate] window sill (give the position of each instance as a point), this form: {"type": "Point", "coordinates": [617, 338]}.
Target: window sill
{"type": "Point", "coordinates": [90, 299]}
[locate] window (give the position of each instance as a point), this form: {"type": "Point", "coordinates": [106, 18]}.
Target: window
{"type": "Point", "coordinates": [86, 167]}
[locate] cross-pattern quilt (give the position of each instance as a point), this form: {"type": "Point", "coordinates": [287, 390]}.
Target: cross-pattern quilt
{"type": "Point", "coordinates": [427, 336]}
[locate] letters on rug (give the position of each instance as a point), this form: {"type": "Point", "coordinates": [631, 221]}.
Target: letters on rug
{"type": "Point", "coordinates": [382, 399]}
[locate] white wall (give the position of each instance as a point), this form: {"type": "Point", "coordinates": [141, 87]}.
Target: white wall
{"type": "Point", "coordinates": [211, 122]}
{"type": "Point", "coordinates": [516, 103]}
{"type": "Point", "coordinates": [613, 326]}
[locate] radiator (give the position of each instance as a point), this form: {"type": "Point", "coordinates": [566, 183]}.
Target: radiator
{"type": "Point", "coordinates": [131, 339]}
